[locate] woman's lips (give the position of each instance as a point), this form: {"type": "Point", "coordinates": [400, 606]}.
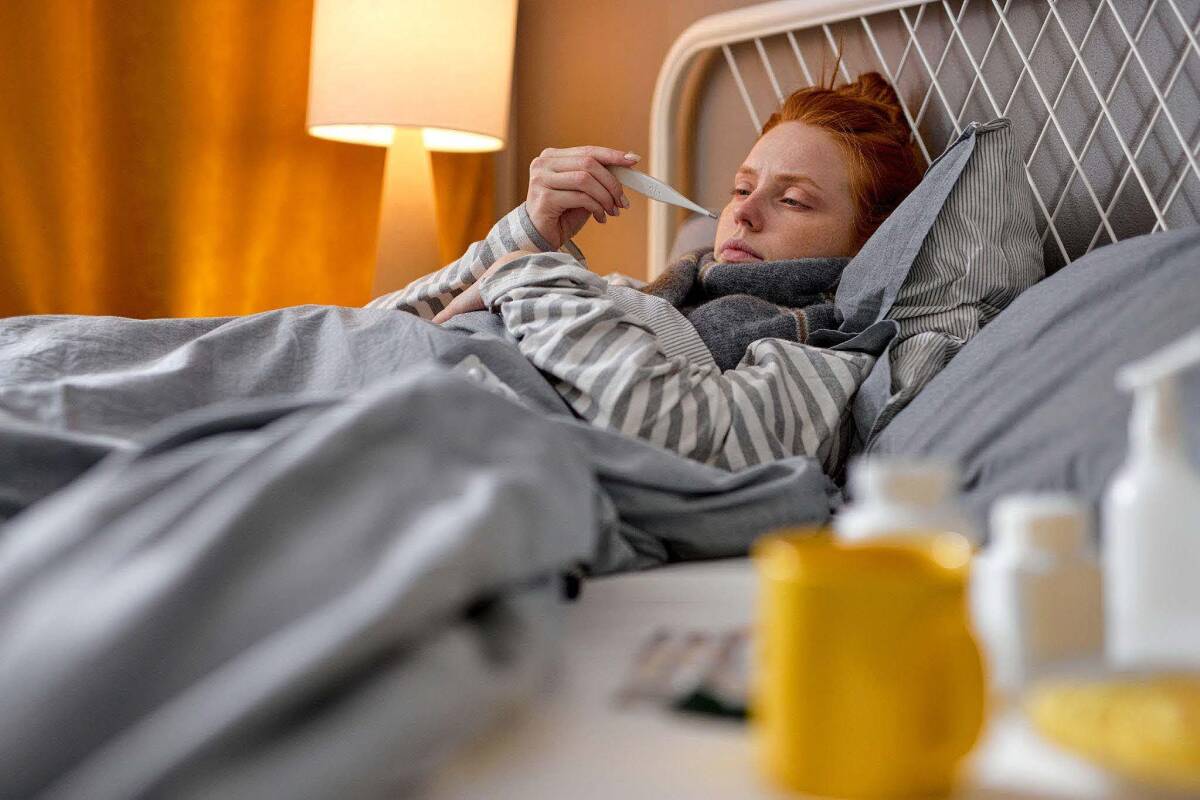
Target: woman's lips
{"type": "Point", "coordinates": [737, 250]}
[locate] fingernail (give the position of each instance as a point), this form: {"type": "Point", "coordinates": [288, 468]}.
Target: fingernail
{"type": "Point", "coordinates": [634, 157]}
{"type": "Point", "coordinates": [624, 201]}
{"type": "Point", "coordinates": [616, 212]}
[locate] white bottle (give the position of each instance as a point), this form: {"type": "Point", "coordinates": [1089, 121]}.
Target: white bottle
{"type": "Point", "coordinates": [897, 496]}
{"type": "Point", "coordinates": [1036, 598]}
{"type": "Point", "coordinates": [1152, 524]}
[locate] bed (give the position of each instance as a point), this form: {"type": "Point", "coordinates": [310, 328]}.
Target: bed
{"type": "Point", "coordinates": [1105, 103]}
{"type": "Point", "coordinates": [220, 588]}
{"type": "Point", "coordinates": [1028, 404]}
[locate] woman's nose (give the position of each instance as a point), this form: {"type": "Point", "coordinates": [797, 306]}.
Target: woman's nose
{"type": "Point", "coordinates": [748, 213]}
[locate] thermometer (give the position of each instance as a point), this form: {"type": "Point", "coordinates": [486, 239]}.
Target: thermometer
{"type": "Point", "coordinates": [656, 190]}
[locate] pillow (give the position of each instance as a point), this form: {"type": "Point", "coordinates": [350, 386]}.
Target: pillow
{"type": "Point", "coordinates": [693, 233]}
{"type": "Point", "coordinates": [1030, 403]}
{"type": "Point", "coordinates": [954, 254]}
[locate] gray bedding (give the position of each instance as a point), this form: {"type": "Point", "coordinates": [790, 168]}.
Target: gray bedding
{"type": "Point", "coordinates": [304, 553]}
{"type": "Point", "coordinates": [1030, 403]}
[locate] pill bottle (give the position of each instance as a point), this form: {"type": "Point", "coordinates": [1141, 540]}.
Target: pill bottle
{"type": "Point", "coordinates": [1036, 597]}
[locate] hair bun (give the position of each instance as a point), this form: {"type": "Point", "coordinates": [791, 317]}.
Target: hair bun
{"type": "Point", "coordinates": [873, 86]}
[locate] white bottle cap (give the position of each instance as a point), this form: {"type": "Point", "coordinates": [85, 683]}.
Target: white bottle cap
{"type": "Point", "coordinates": [1051, 522]}
{"type": "Point", "coordinates": [1154, 425]}
{"type": "Point", "coordinates": [923, 484]}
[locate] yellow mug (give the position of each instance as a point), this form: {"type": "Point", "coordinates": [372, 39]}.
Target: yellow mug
{"type": "Point", "coordinates": [869, 683]}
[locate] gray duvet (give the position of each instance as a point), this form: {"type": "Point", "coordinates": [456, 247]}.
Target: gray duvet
{"type": "Point", "coordinates": [1030, 404]}
{"type": "Point", "coordinates": [305, 553]}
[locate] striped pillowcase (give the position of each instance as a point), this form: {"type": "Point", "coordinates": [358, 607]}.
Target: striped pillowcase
{"type": "Point", "coordinates": [980, 253]}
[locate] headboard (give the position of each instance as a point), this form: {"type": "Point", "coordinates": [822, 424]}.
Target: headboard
{"type": "Point", "coordinates": [1104, 97]}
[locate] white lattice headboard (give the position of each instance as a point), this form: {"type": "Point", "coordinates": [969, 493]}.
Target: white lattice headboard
{"type": "Point", "coordinates": [1104, 96]}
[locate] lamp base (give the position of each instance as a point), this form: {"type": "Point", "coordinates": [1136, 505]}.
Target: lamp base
{"type": "Point", "coordinates": [408, 242]}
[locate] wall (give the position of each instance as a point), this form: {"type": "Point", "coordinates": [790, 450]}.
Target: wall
{"type": "Point", "coordinates": [584, 74]}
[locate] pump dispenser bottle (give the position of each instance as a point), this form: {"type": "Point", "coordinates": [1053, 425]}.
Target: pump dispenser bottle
{"type": "Point", "coordinates": [1152, 524]}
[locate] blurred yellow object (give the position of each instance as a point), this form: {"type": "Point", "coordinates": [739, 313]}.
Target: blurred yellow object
{"type": "Point", "coordinates": [869, 682]}
{"type": "Point", "coordinates": [1145, 728]}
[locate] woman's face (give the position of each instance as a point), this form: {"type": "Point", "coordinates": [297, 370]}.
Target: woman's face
{"type": "Point", "coordinates": [791, 199]}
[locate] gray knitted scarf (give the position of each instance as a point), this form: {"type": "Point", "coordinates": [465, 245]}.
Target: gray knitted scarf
{"type": "Point", "coordinates": [732, 305]}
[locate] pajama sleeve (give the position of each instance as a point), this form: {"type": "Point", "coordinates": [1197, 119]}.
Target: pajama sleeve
{"type": "Point", "coordinates": [426, 296]}
{"type": "Point", "coordinates": [783, 399]}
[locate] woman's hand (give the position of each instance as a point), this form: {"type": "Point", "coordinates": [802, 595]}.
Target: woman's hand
{"type": "Point", "coordinates": [469, 299]}
{"type": "Point", "coordinates": [567, 186]}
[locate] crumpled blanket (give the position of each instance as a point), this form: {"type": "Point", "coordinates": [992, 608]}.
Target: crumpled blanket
{"type": "Point", "coordinates": [301, 554]}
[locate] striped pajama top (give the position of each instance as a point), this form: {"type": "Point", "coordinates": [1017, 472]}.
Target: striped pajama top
{"type": "Point", "coordinates": [631, 362]}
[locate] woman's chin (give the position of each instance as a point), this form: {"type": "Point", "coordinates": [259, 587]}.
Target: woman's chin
{"type": "Point", "coordinates": [731, 255]}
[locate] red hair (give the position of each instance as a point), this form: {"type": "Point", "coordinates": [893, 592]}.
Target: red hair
{"type": "Point", "coordinates": [866, 120]}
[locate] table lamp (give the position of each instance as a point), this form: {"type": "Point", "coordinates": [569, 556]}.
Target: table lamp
{"type": "Point", "coordinates": [412, 76]}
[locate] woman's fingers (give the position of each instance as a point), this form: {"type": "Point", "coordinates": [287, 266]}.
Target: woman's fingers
{"type": "Point", "coordinates": [605, 155]}
{"type": "Point", "coordinates": [469, 300]}
{"type": "Point", "coordinates": [591, 160]}
{"type": "Point", "coordinates": [616, 195]}
{"type": "Point", "coordinates": [565, 184]}
{"type": "Point", "coordinates": [581, 182]}
{"type": "Point", "coordinates": [571, 198]}
{"type": "Point", "coordinates": [555, 193]}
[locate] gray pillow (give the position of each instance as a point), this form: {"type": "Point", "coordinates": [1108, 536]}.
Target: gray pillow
{"type": "Point", "coordinates": [955, 253]}
{"type": "Point", "coordinates": [1030, 403]}
{"type": "Point", "coordinates": [693, 233]}
{"type": "Point", "coordinates": [982, 251]}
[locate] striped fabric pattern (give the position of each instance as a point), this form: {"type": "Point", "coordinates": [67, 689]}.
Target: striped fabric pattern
{"type": "Point", "coordinates": [426, 296]}
{"type": "Point", "coordinates": [631, 362]}
{"type": "Point", "coordinates": [784, 398]}
{"type": "Point", "coordinates": [676, 336]}
{"type": "Point", "coordinates": [981, 252]}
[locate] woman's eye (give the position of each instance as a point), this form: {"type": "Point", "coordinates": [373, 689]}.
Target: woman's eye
{"type": "Point", "coordinates": [794, 203]}
{"type": "Point", "coordinates": [740, 191]}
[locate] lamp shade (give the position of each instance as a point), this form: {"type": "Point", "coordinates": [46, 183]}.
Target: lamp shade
{"type": "Point", "coordinates": [444, 66]}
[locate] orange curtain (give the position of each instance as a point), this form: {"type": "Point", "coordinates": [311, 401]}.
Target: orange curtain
{"type": "Point", "coordinates": [154, 162]}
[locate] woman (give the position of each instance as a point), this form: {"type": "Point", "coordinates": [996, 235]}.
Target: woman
{"type": "Point", "coordinates": [711, 360]}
